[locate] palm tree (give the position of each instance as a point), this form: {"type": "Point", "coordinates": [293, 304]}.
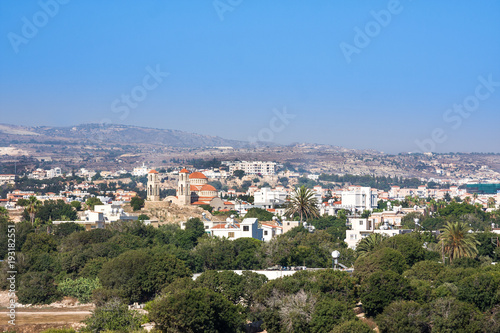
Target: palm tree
{"type": "Point", "coordinates": [474, 195]}
{"type": "Point", "coordinates": [467, 200]}
{"type": "Point", "coordinates": [457, 242]}
{"type": "Point", "coordinates": [303, 202]}
{"type": "Point", "coordinates": [368, 244]}
{"type": "Point", "coordinates": [33, 206]}
{"type": "Point", "coordinates": [491, 202]}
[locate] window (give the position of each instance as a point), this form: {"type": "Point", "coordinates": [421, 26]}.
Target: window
{"type": "Point", "coordinates": [265, 232]}
{"type": "Point", "coordinates": [360, 222]}
{"type": "Point", "coordinates": [246, 228]}
{"type": "Point", "coordinates": [230, 234]}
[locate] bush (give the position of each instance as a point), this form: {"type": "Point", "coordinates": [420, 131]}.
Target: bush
{"type": "Point", "coordinates": [80, 288]}
{"type": "Point", "coordinates": [112, 316]}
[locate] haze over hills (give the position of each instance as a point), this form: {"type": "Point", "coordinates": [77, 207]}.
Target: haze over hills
{"type": "Point", "coordinates": [113, 133]}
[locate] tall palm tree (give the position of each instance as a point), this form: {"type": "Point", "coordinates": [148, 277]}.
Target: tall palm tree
{"type": "Point", "coordinates": [303, 202]}
{"type": "Point", "coordinates": [491, 202]}
{"type": "Point", "coordinates": [474, 195]}
{"type": "Point", "coordinates": [467, 200]}
{"type": "Point", "coordinates": [368, 244]}
{"type": "Point", "coordinates": [457, 242]}
{"type": "Point", "coordinates": [33, 206]}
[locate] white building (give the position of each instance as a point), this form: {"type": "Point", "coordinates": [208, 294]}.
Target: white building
{"type": "Point", "coordinates": [249, 227]}
{"type": "Point", "coordinates": [7, 179]}
{"type": "Point", "coordinates": [359, 198]}
{"type": "Point", "coordinates": [361, 228]}
{"type": "Point", "coordinates": [252, 168]}
{"type": "Point", "coordinates": [113, 213]}
{"type": "Point", "coordinates": [268, 198]}
{"type": "Point", "coordinates": [140, 171]}
{"type": "Point", "coordinates": [53, 173]}
{"type": "Point", "coordinates": [100, 216]}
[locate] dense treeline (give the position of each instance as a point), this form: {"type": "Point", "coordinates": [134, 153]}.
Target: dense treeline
{"type": "Point", "coordinates": [401, 281]}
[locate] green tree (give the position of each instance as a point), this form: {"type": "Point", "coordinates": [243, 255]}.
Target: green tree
{"type": "Point", "coordinates": [238, 173]}
{"type": "Point", "coordinates": [112, 316]}
{"type": "Point", "coordinates": [195, 310]}
{"type": "Point", "coordinates": [481, 289]}
{"type": "Point", "coordinates": [226, 283]}
{"type": "Point", "coordinates": [33, 206]}
{"type": "Point", "coordinates": [384, 259]}
{"type": "Point", "coordinates": [329, 313]}
{"type": "Point", "coordinates": [92, 202]}
{"type": "Point", "coordinates": [404, 316]}
{"type": "Point", "coordinates": [457, 242]}
{"type": "Point", "coordinates": [410, 247]}
{"type": "Point", "coordinates": [142, 217]}
{"type": "Point", "coordinates": [382, 288]}
{"type": "Point", "coordinates": [64, 229]}
{"type": "Point", "coordinates": [260, 214]}
{"type": "Point", "coordinates": [302, 202]}
{"type": "Point", "coordinates": [76, 205]}
{"type": "Point", "coordinates": [37, 288]}
{"type": "Point", "coordinates": [452, 316]}
{"type": "Point", "coordinates": [369, 244]}
{"type": "Point", "coordinates": [136, 203]}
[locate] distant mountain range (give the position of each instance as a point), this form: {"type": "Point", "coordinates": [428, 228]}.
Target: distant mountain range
{"type": "Point", "coordinates": [113, 134]}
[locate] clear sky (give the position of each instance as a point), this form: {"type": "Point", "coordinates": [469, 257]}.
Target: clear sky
{"type": "Point", "coordinates": [360, 74]}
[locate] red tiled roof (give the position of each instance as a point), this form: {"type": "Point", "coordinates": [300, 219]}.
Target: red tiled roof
{"type": "Point", "coordinates": [197, 175]}
{"type": "Point", "coordinates": [207, 187]}
{"type": "Point", "coordinates": [153, 171]}
{"type": "Point", "coordinates": [184, 171]}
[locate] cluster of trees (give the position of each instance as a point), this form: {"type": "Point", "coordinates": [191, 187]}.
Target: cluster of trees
{"type": "Point", "coordinates": [407, 288]}
{"type": "Point", "coordinates": [380, 182]}
{"type": "Point", "coordinates": [407, 283]}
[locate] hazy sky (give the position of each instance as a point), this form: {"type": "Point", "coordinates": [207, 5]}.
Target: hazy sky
{"type": "Point", "coordinates": [388, 75]}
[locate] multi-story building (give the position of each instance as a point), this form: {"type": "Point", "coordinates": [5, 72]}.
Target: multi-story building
{"type": "Point", "coordinates": [359, 198]}
{"type": "Point", "coordinates": [361, 228]}
{"type": "Point", "coordinates": [252, 168]}
{"type": "Point", "coordinates": [7, 179]}
{"type": "Point", "coordinates": [268, 198]}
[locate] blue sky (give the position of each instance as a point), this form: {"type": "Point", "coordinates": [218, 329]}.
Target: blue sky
{"type": "Point", "coordinates": [233, 64]}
